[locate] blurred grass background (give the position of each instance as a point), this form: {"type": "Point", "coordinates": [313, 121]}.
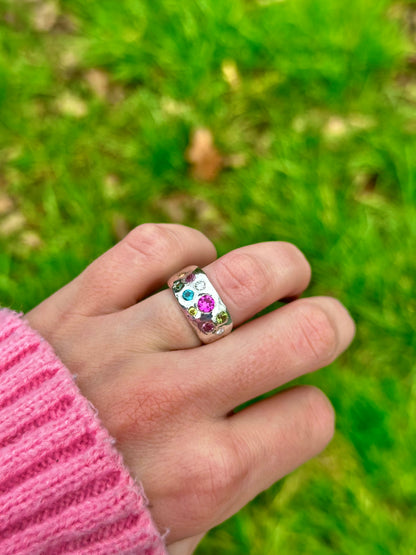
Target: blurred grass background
{"type": "Point", "coordinates": [311, 105]}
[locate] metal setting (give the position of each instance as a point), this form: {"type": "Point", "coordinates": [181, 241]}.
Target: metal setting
{"type": "Point", "coordinates": [201, 304]}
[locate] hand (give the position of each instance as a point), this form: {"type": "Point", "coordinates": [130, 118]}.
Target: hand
{"type": "Point", "coordinates": [168, 400]}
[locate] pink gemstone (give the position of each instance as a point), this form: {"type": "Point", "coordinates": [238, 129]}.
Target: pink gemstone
{"type": "Point", "coordinates": [207, 327]}
{"type": "Point", "coordinates": [206, 303]}
{"type": "Point", "coordinates": [190, 278]}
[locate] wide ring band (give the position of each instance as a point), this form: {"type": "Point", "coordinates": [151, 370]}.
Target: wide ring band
{"type": "Point", "coordinates": [201, 304]}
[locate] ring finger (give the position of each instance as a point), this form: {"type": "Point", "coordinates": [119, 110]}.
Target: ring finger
{"type": "Point", "coordinates": [248, 280]}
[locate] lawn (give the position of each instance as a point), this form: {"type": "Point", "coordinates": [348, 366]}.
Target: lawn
{"type": "Point", "coordinates": [311, 105]}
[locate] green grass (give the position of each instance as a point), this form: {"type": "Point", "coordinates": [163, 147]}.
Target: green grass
{"type": "Point", "coordinates": [324, 114]}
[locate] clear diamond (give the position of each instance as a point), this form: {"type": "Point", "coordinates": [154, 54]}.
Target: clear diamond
{"type": "Point", "coordinates": [200, 285]}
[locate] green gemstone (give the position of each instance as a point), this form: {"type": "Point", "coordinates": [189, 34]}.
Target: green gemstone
{"type": "Point", "coordinates": [221, 318]}
{"type": "Point", "coordinates": [177, 286]}
{"type": "Point", "coordinates": [192, 311]}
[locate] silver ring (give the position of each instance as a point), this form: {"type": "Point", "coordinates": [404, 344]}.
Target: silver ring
{"type": "Point", "coordinates": [201, 304]}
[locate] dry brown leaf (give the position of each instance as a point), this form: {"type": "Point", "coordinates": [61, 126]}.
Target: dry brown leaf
{"type": "Point", "coordinates": [112, 188]}
{"type": "Point", "coordinates": [71, 105]}
{"type": "Point", "coordinates": [335, 128]}
{"type": "Point", "coordinates": [31, 239]}
{"type": "Point", "coordinates": [204, 157]}
{"type": "Point", "coordinates": [69, 60]}
{"type": "Point", "coordinates": [235, 161]}
{"type": "Point", "coordinates": [44, 16]}
{"type": "Point", "coordinates": [120, 226]}
{"type": "Point", "coordinates": [12, 223]}
{"type": "Point", "coordinates": [362, 121]}
{"type": "Point", "coordinates": [230, 73]}
{"type": "Point", "coordinates": [6, 204]}
{"type": "Point", "coordinates": [99, 82]}
{"type": "Point", "coordinates": [194, 211]}
{"type": "Point", "coordinates": [173, 107]}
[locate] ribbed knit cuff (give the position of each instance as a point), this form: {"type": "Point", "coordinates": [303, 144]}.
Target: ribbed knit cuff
{"type": "Point", "coordinates": [63, 486]}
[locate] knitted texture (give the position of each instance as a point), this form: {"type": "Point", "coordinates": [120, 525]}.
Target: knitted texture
{"type": "Point", "coordinates": [63, 486]}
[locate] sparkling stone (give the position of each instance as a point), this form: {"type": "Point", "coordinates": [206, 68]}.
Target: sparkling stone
{"type": "Point", "coordinates": [192, 311]}
{"type": "Point", "coordinates": [207, 327]}
{"type": "Point", "coordinates": [177, 286]}
{"type": "Point", "coordinates": [180, 276]}
{"type": "Point", "coordinates": [221, 318]}
{"type": "Point", "coordinates": [206, 303]}
{"type": "Point", "coordinates": [220, 331]}
{"type": "Point", "coordinates": [190, 278]}
{"type": "Point", "coordinates": [188, 294]}
{"type": "Point", "coordinates": [200, 285]}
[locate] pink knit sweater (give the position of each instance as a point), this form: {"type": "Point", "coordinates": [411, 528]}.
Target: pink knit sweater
{"type": "Point", "coordinates": [63, 486]}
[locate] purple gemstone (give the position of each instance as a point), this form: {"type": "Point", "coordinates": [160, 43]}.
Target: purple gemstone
{"type": "Point", "coordinates": [206, 303]}
{"type": "Point", "coordinates": [190, 278]}
{"type": "Point", "coordinates": [207, 327]}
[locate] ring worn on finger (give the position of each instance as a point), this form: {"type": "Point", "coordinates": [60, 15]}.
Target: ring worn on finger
{"type": "Point", "coordinates": [201, 304]}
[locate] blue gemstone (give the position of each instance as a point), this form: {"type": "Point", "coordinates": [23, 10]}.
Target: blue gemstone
{"type": "Point", "coordinates": [188, 295]}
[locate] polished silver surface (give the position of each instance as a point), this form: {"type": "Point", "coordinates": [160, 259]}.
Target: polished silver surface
{"type": "Point", "coordinates": [201, 304]}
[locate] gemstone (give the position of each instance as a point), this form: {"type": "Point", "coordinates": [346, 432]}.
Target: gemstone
{"type": "Point", "coordinates": [221, 318]}
{"type": "Point", "coordinates": [177, 286]}
{"type": "Point", "coordinates": [188, 294]}
{"type": "Point", "coordinates": [207, 327]}
{"type": "Point", "coordinates": [192, 311]}
{"type": "Point", "coordinates": [181, 275]}
{"type": "Point", "coordinates": [200, 285]}
{"type": "Point", "coordinates": [190, 278]}
{"type": "Point", "coordinates": [206, 303]}
{"type": "Point", "coordinates": [220, 331]}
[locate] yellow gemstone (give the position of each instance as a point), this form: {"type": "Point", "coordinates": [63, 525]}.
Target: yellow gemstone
{"type": "Point", "coordinates": [221, 318]}
{"type": "Point", "coordinates": [192, 311]}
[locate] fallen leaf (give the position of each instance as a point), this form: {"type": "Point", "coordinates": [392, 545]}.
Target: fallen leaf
{"type": "Point", "coordinates": [366, 182]}
{"type": "Point", "coordinates": [173, 107]}
{"type": "Point", "coordinates": [6, 204]}
{"type": "Point", "coordinates": [230, 73]}
{"type": "Point", "coordinates": [12, 223]}
{"type": "Point", "coordinates": [44, 16]}
{"type": "Point", "coordinates": [205, 159]}
{"type": "Point", "coordinates": [120, 226]}
{"type": "Point", "coordinates": [99, 82]}
{"type": "Point", "coordinates": [335, 128]}
{"type": "Point", "coordinates": [116, 94]}
{"type": "Point", "coordinates": [71, 105]}
{"type": "Point", "coordinates": [31, 239]}
{"type": "Point", "coordinates": [112, 188]}
{"type": "Point", "coordinates": [235, 161]}
{"type": "Point", "coordinates": [193, 211]}
{"type": "Point", "coordinates": [69, 60]}
{"type": "Point", "coordinates": [362, 121]}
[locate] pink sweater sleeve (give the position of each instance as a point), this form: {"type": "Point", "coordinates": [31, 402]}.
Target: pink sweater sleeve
{"type": "Point", "coordinates": [63, 486]}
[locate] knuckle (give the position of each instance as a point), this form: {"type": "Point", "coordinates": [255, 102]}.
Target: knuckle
{"type": "Point", "coordinates": [217, 479]}
{"type": "Point", "coordinates": [152, 241]}
{"type": "Point", "coordinates": [242, 276]}
{"type": "Point", "coordinates": [316, 337]}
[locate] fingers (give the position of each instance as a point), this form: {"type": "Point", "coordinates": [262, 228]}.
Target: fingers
{"type": "Point", "coordinates": [248, 280]}
{"type": "Point", "coordinates": [273, 437]}
{"type": "Point", "coordinates": [300, 337]}
{"type": "Point", "coordinates": [236, 458]}
{"type": "Point", "coordinates": [140, 264]}
{"type": "Point", "coordinates": [185, 547]}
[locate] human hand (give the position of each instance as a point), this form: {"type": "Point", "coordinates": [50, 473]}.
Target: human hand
{"type": "Point", "coordinates": [168, 400]}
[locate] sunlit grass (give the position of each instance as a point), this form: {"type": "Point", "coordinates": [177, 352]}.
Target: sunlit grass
{"type": "Point", "coordinates": [320, 110]}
